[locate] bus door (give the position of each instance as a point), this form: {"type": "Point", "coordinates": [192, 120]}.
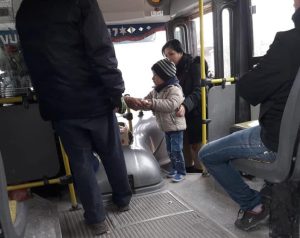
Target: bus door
{"type": "Point", "coordinates": [232, 41]}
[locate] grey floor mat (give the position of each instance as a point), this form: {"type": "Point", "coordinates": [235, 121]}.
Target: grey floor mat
{"type": "Point", "coordinates": [158, 215]}
{"type": "Point", "coordinates": [42, 220]}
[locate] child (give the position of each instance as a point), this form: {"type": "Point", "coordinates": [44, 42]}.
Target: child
{"type": "Point", "coordinates": [164, 101]}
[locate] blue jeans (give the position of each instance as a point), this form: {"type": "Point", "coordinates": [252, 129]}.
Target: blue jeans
{"type": "Point", "coordinates": [217, 155]}
{"type": "Point", "coordinates": [80, 137]}
{"type": "Point", "coordinates": [174, 141]}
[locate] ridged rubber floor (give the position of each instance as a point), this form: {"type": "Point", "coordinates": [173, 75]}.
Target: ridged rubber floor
{"type": "Point", "coordinates": [159, 215]}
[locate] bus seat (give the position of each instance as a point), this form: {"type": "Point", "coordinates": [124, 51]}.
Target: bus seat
{"type": "Point", "coordinates": [296, 172]}
{"type": "Point", "coordinates": [7, 228]}
{"type": "Point", "coordinates": [279, 170]}
{"type": "Point", "coordinates": [220, 101]}
{"type": "Point", "coordinates": [27, 144]}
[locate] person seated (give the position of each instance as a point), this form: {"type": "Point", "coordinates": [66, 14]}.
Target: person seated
{"type": "Point", "coordinates": [268, 83]}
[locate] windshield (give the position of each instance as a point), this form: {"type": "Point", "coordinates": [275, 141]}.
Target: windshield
{"type": "Point", "coordinates": [135, 61]}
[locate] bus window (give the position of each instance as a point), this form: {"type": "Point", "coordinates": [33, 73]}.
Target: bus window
{"type": "Point", "coordinates": [179, 34]}
{"type": "Point", "coordinates": [226, 42]}
{"type": "Point", "coordinates": [267, 21]}
{"type": "Point", "coordinates": [135, 61]}
{"type": "Point", "coordinates": [208, 40]}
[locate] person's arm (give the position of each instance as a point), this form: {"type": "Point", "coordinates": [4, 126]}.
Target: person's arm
{"type": "Point", "coordinates": [268, 76]}
{"type": "Point", "coordinates": [133, 103]}
{"type": "Point", "coordinates": [192, 100]}
{"type": "Point", "coordinates": [149, 95]}
{"type": "Point", "coordinates": [169, 104]}
{"type": "Point", "coordinates": [100, 51]}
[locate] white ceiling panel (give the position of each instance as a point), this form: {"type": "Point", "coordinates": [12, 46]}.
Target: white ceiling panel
{"type": "Point", "coordinates": [121, 5]}
{"type": "Point", "coordinates": [129, 11]}
{"type": "Point", "coordinates": [139, 11]}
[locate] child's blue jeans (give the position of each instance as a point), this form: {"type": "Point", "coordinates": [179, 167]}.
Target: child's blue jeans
{"type": "Point", "coordinates": [174, 141]}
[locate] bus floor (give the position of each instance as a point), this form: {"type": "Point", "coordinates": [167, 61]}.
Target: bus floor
{"type": "Point", "coordinates": [207, 196]}
{"type": "Point", "coordinates": [195, 207]}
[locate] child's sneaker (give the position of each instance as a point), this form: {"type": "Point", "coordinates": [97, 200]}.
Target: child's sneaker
{"type": "Point", "coordinates": [177, 178]}
{"type": "Point", "coordinates": [172, 174]}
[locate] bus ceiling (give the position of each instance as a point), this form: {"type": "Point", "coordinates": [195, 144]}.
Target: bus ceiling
{"type": "Point", "coordinates": [142, 11]}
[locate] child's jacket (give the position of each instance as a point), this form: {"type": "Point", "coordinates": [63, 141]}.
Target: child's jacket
{"type": "Point", "coordinates": [165, 104]}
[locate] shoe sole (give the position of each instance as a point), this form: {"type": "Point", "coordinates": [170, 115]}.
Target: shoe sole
{"type": "Point", "coordinates": [124, 209]}
{"type": "Point", "coordinates": [205, 174]}
{"type": "Point", "coordinates": [170, 176]}
{"type": "Point", "coordinates": [98, 231]}
{"type": "Point", "coordinates": [101, 233]}
{"type": "Point", "coordinates": [177, 181]}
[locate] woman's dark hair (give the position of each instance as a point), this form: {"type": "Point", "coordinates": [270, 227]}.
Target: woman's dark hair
{"type": "Point", "coordinates": [174, 45]}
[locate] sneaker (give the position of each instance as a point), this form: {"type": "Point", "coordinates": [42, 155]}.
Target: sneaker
{"type": "Point", "coordinates": [123, 208]}
{"type": "Point", "coordinates": [177, 178]}
{"type": "Point", "coordinates": [171, 174]}
{"type": "Point", "coordinates": [248, 220]}
{"type": "Point", "coordinates": [98, 228]}
{"type": "Point", "coordinates": [205, 174]}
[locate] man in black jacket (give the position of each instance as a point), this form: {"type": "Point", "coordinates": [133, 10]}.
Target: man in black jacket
{"type": "Point", "coordinates": [74, 71]}
{"type": "Point", "coordinates": [269, 84]}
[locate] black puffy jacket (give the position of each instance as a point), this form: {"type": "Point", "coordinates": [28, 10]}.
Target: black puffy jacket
{"type": "Point", "coordinates": [189, 76]}
{"type": "Point", "coordinates": [70, 57]}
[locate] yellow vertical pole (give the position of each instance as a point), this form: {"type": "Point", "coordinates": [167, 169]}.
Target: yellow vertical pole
{"type": "Point", "coordinates": [68, 173]}
{"type": "Point", "coordinates": [203, 76]}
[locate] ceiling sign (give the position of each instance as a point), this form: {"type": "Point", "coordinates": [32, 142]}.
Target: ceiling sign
{"type": "Point", "coordinates": [133, 32]}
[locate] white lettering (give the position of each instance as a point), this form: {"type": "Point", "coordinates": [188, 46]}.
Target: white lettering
{"type": "Point", "coordinates": [13, 39]}
{"type": "Point", "coordinates": [4, 39]}
{"type": "Point", "coordinates": [115, 30]}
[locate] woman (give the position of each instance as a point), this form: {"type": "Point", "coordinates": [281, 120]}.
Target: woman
{"type": "Point", "coordinates": [188, 73]}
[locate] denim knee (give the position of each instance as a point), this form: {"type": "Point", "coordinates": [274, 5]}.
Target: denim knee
{"type": "Point", "coordinates": [202, 155]}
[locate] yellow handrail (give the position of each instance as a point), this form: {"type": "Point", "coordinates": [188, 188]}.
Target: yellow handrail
{"type": "Point", "coordinates": [216, 81]}
{"type": "Point", "coordinates": [18, 99]}
{"type": "Point", "coordinates": [32, 184]}
{"type": "Point", "coordinates": [10, 100]}
{"type": "Point", "coordinates": [52, 181]}
{"type": "Point", "coordinates": [68, 173]}
{"type": "Point", "coordinates": [203, 76]}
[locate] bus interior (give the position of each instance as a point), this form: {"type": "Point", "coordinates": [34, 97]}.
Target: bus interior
{"type": "Point", "coordinates": [37, 197]}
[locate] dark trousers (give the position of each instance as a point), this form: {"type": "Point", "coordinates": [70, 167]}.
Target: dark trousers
{"type": "Point", "coordinates": [80, 137]}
